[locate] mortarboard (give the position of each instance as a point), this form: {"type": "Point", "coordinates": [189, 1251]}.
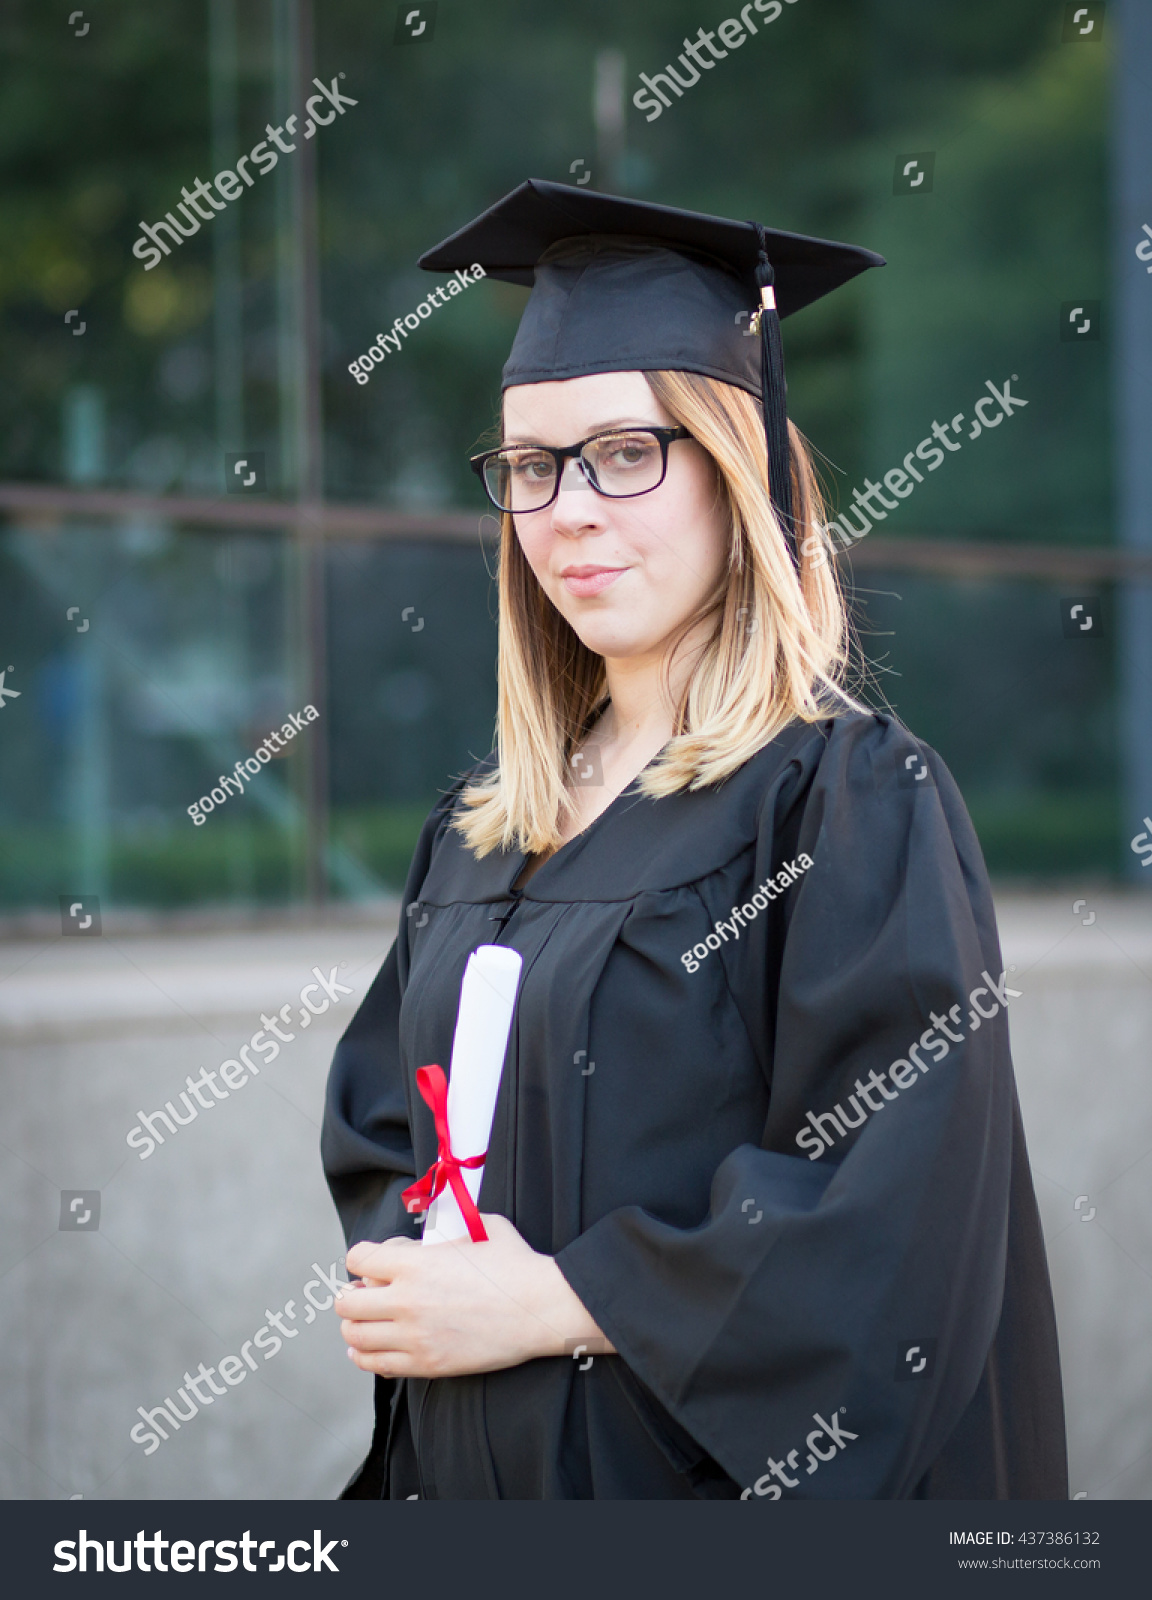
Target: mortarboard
{"type": "Point", "coordinates": [624, 285]}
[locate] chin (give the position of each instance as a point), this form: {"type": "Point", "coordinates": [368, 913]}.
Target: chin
{"type": "Point", "coordinates": [603, 639]}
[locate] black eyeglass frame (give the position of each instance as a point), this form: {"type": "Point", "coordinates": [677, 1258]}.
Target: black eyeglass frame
{"type": "Point", "coordinates": [663, 436]}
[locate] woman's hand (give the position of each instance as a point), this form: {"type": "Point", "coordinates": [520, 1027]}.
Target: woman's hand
{"type": "Point", "coordinates": [436, 1311]}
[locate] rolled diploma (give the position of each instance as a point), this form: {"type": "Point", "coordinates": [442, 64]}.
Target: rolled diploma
{"type": "Point", "coordinates": [483, 1023]}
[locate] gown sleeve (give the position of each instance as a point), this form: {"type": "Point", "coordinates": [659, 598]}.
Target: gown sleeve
{"type": "Point", "coordinates": [776, 1331]}
{"type": "Point", "coordinates": [365, 1141]}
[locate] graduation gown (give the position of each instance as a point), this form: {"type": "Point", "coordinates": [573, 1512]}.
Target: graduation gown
{"type": "Point", "coordinates": [867, 1318]}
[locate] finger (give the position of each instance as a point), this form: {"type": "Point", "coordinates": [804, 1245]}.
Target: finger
{"type": "Point", "coordinates": [338, 1302]}
{"type": "Point", "coordinates": [375, 1337]}
{"type": "Point", "coordinates": [386, 1364]}
{"type": "Point", "coordinates": [358, 1257]}
{"type": "Point", "coordinates": [499, 1231]}
{"type": "Point", "coordinates": [397, 1242]}
{"type": "Point", "coordinates": [376, 1260]}
{"type": "Point", "coordinates": [362, 1282]}
{"type": "Point", "coordinates": [344, 1290]}
{"type": "Point", "coordinates": [498, 1227]}
{"type": "Point", "coordinates": [365, 1305]}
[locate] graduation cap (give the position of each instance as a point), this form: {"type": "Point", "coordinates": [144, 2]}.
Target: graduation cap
{"type": "Point", "coordinates": [623, 285]}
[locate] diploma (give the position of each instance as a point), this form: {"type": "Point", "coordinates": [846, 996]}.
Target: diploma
{"type": "Point", "coordinates": [483, 1023]}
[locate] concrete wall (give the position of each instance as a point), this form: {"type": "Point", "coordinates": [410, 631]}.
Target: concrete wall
{"type": "Point", "coordinates": [196, 1243]}
{"type": "Point", "coordinates": [1082, 1043]}
{"type": "Point", "coordinates": [221, 1225]}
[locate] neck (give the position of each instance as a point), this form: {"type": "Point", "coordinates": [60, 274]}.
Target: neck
{"type": "Point", "coordinates": [644, 692]}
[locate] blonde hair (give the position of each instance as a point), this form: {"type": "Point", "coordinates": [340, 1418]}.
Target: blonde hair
{"type": "Point", "coordinates": [777, 651]}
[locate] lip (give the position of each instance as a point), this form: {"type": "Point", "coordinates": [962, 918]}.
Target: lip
{"type": "Point", "coordinates": [591, 580]}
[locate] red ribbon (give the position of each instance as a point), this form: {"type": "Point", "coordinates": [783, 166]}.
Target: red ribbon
{"type": "Point", "coordinates": [445, 1170]}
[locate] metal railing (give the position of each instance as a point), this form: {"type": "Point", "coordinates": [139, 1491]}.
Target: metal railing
{"type": "Point", "coordinates": [948, 557]}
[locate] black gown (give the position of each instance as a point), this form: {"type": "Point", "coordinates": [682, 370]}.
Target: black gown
{"type": "Point", "coordinates": [869, 1318]}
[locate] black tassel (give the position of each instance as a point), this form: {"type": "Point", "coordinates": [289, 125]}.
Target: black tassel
{"type": "Point", "coordinates": [774, 401]}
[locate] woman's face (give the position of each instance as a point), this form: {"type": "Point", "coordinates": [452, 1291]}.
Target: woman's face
{"type": "Point", "coordinates": [626, 574]}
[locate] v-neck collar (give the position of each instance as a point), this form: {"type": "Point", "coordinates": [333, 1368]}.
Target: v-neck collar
{"type": "Point", "coordinates": [629, 790]}
{"type": "Point", "coordinates": [638, 842]}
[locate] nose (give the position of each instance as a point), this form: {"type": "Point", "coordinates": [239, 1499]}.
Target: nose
{"type": "Point", "coordinates": [575, 514]}
{"type": "Point", "coordinates": [574, 475]}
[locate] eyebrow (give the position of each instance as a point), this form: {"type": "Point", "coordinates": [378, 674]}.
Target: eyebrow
{"type": "Point", "coordinates": [603, 427]}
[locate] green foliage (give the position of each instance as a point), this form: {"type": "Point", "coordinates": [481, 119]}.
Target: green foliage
{"type": "Point", "coordinates": [382, 837]}
{"type": "Point", "coordinates": [1040, 836]}
{"type": "Point", "coordinates": [1016, 223]}
{"type": "Point", "coordinates": [226, 859]}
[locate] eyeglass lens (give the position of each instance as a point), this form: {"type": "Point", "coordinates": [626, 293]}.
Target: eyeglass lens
{"type": "Point", "coordinates": [618, 464]}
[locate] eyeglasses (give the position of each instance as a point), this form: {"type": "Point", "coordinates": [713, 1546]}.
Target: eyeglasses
{"type": "Point", "coordinates": [619, 464]}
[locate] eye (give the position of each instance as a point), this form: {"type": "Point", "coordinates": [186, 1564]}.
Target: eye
{"type": "Point", "coordinates": [625, 451]}
{"type": "Point", "coordinates": [530, 467]}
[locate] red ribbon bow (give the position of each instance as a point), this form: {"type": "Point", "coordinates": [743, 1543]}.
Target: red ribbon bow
{"type": "Point", "coordinates": [445, 1170]}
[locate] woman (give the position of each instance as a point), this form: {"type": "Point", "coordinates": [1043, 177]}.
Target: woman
{"type": "Point", "coordinates": [760, 1220]}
